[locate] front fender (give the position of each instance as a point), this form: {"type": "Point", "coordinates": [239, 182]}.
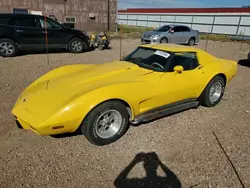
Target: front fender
{"type": "Point", "coordinates": [80, 106]}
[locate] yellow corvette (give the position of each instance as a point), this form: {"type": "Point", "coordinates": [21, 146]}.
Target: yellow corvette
{"type": "Point", "coordinates": [102, 100]}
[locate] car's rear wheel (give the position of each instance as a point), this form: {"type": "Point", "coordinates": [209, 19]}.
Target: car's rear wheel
{"type": "Point", "coordinates": [77, 45]}
{"type": "Point", "coordinates": [8, 48]}
{"type": "Point", "coordinates": [106, 123]}
{"type": "Point", "coordinates": [191, 41]}
{"type": "Point", "coordinates": [213, 92]}
{"type": "Point", "coordinates": [164, 40]}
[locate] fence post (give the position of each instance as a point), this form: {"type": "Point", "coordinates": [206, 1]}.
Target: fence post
{"type": "Point", "coordinates": [147, 20]}
{"type": "Point", "coordinates": [192, 21]}
{"type": "Point", "coordinates": [211, 31]}
{"type": "Point", "coordinates": [160, 22]}
{"type": "Point", "coordinates": [136, 20]}
{"type": "Point", "coordinates": [238, 25]}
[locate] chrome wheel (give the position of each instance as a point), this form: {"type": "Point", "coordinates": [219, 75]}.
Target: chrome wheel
{"type": "Point", "coordinates": [164, 40]}
{"type": "Point", "coordinates": [108, 124]}
{"type": "Point", "coordinates": [6, 48]}
{"type": "Point", "coordinates": [191, 42]}
{"type": "Point", "coordinates": [215, 92]}
{"type": "Point", "coordinates": [77, 46]}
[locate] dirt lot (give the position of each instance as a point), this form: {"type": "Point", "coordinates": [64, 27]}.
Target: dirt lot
{"type": "Point", "coordinates": [184, 142]}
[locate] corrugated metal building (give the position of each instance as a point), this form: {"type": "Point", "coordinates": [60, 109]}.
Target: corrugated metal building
{"type": "Point", "coordinates": [232, 21]}
{"type": "Point", "coordinates": [89, 15]}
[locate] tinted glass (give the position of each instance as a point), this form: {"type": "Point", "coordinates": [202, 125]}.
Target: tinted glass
{"type": "Point", "coordinates": [185, 29]}
{"type": "Point", "coordinates": [177, 29]}
{"type": "Point", "coordinates": [49, 23]}
{"type": "Point", "coordinates": [25, 22]}
{"type": "Point", "coordinates": [187, 60]}
{"type": "Point", "coordinates": [4, 20]}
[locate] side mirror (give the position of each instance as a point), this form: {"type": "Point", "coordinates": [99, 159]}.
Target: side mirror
{"type": "Point", "coordinates": [171, 31]}
{"type": "Point", "coordinates": [178, 69]}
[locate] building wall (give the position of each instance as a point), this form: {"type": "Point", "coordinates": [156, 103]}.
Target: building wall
{"type": "Point", "coordinates": [78, 8]}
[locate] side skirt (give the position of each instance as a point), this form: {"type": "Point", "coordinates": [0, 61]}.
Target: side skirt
{"type": "Point", "coordinates": [165, 111]}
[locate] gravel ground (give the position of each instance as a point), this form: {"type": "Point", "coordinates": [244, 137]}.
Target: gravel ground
{"type": "Point", "coordinates": [184, 142]}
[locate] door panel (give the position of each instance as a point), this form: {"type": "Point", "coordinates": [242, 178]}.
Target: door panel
{"type": "Point", "coordinates": [180, 86]}
{"type": "Point", "coordinates": [173, 87]}
{"type": "Point", "coordinates": [57, 36]}
{"type": "Point", "coordinates": [27, 32]}
{"type": "Point", "coordinates": [176, 36]}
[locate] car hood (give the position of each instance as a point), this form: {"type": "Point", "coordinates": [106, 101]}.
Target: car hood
{"type": "Point", "coordinates": [152, 33]}
{"type": "Point", "coordinates": [59, 87]}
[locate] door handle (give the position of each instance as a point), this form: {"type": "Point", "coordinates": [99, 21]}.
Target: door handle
{"type": "Point", "coordinates": [19, 31]}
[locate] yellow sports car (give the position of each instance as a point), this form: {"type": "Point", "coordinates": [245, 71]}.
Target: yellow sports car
{"type": "Point", "coordinates": [102, 100]}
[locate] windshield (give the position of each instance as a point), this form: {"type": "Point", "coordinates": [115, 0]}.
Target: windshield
{"type": "Point", "coordinates": [163, 28]}
{"type": "Point", "coordinates": [148, 58]}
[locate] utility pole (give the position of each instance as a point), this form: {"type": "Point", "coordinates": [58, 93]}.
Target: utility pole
{"type": "Point", "coordinates": [108, 15]}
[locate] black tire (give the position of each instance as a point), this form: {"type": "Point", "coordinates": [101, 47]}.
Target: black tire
{"type": "Point", "coordinates": [191, 41]}
{"type": "Point", "coordinates": [82, 46]}
{"type": "Point", "coordinates": [89, 126]}
{"type": "Point", "coordinates": [205, 98]}
{"type": "Point", "coordinates": [100, 47]}
{"type": "Point", "coordinates": [164, 40]}
{"type": "Point", "coordinates": [11, 44]}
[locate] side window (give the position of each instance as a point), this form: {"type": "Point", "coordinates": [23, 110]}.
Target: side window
{"type": "Point", "coordinates": [50, 24]}
{"type": "Point", "coordinates": [25, 22]}
{"type": "Point", "coordinates": [188, 60]}
{"type": "Point", "coordinates": [185, 29]}
{"type": "Point", "coordinates": [177, 29]}
{"type": "Point", "coordinates": [45, 24]}
{"type": "Point", "coordinates": [4, 20]}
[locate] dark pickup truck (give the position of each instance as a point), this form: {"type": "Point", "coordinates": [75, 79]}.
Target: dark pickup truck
{"type": "Point", "coordinates": [22, 32]}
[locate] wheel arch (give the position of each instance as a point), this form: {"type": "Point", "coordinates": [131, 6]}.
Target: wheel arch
{"type": "Point", "coordinates": [127, 105]}
{"type": "Point", "coordinates": [210, 78]}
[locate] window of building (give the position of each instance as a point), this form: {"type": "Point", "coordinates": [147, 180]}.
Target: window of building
{"type": "Point", "coordinates": [20, 11]}
{"type": "Point", "coordinates": [70, 19]}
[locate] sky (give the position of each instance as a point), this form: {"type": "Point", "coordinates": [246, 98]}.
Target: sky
{"type": "Point", "coordinates": [124, 4]}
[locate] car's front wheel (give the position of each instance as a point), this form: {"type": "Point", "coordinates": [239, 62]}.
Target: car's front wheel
{"type": "Point", "coordinates": [164, 40]}
{"type": "Point", "coordinates": [106, 123]}
{"type": "Point", "coordinates": [77, 45]}
{"type": "Point", "coordinates": [8, 48]}
{"type": "Point", "coordinates": [213, 92]}
{"type": "Point", "coordinates": [191, 41]}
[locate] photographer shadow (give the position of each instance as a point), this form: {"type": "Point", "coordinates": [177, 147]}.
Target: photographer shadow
{"type": "Point", "coordinates": [151, 162]}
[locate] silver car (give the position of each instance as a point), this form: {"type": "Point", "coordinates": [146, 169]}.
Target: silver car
{"type": "Point", "coordinates": [178, 34]}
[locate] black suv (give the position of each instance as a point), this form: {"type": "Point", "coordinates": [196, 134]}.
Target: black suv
{"type": "Point", "coordinates": [28, 32]}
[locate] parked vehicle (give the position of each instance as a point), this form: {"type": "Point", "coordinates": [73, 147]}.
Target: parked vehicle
{"type": "Point", "coordinates": [100, 100]}
{"type": "Point", "coordinates": [178, 34]}
{"type": "Point", "coordinates": [100, 41]}
{"type": "Point", "coordinates": [28, 32]}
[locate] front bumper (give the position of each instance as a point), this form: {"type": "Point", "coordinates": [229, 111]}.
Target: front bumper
{"type": "Point", "coordinates": [44, 130]}
{"type": "Point", "coordinates": [150, 40]}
